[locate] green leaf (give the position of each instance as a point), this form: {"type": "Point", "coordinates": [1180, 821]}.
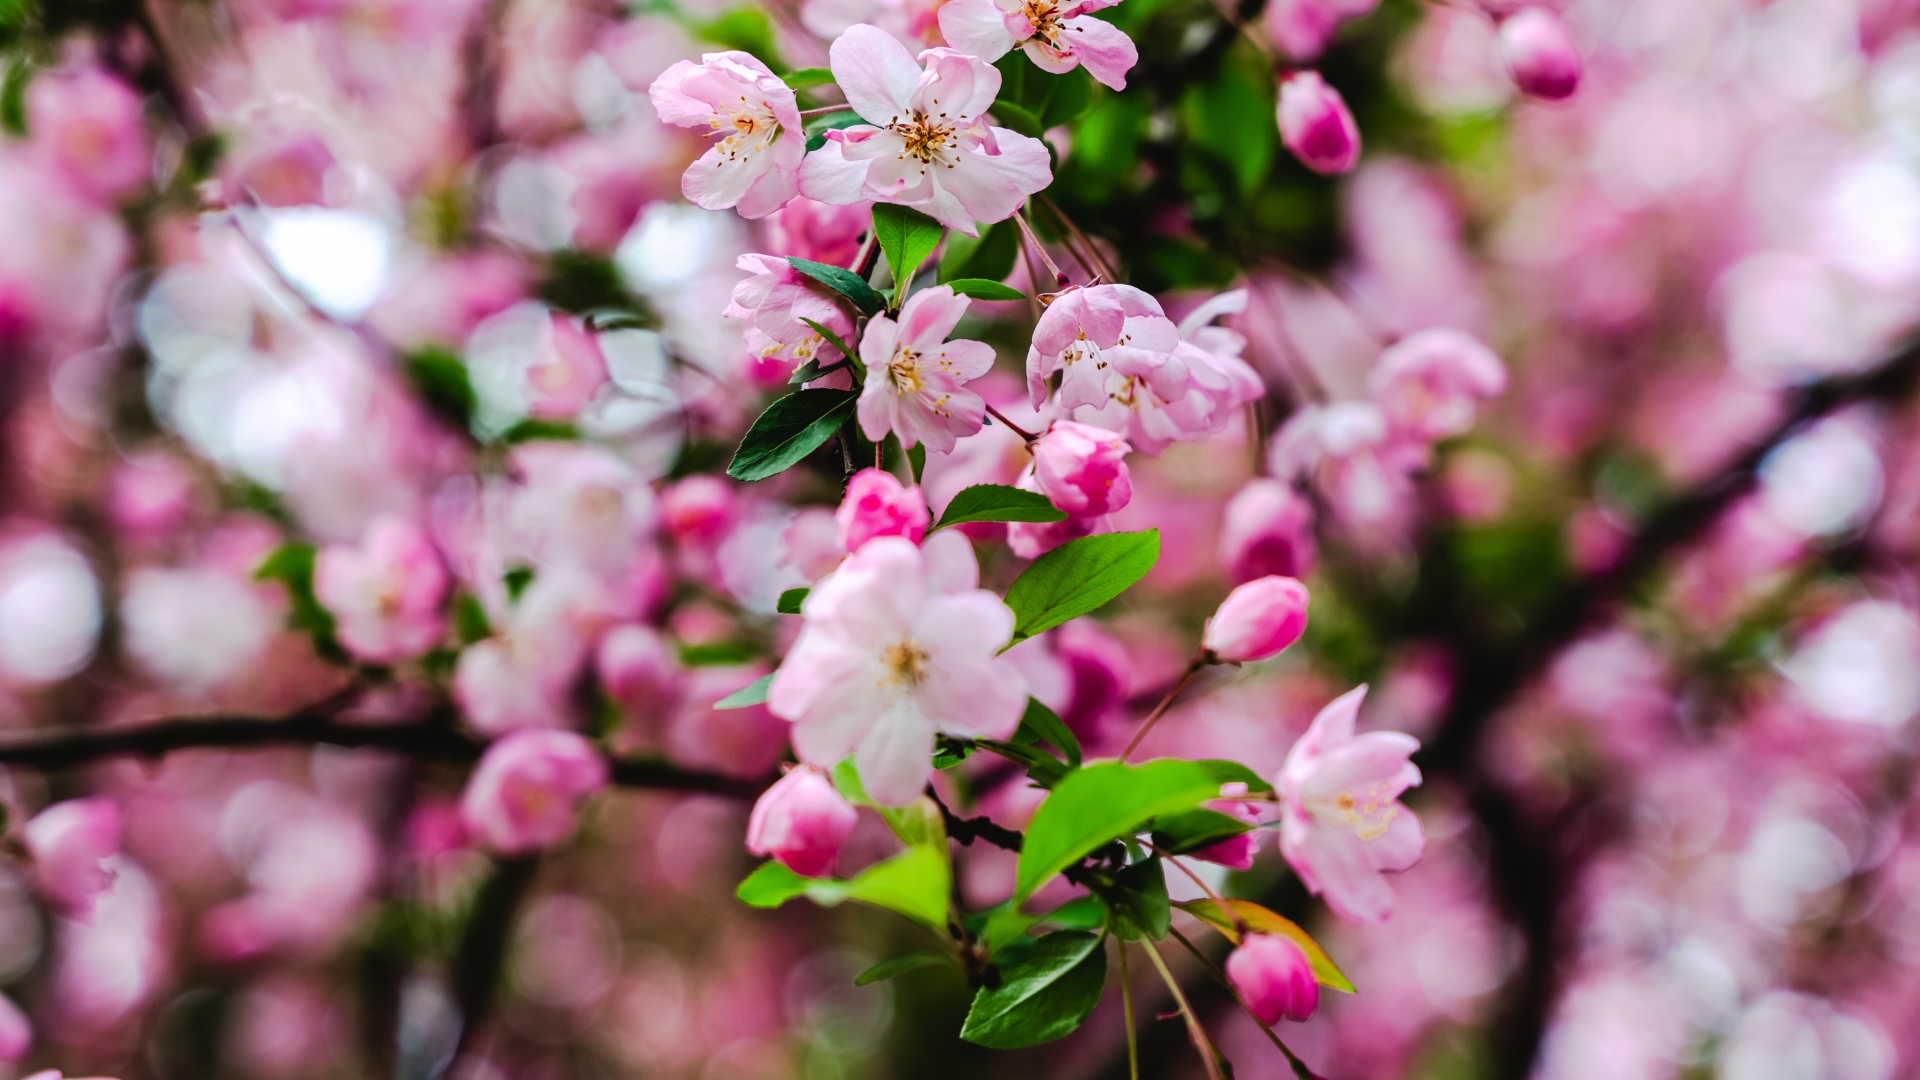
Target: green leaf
{"type": "Point", "coordinates": [917, 458]}
{"type": "Point", "coordinates": [1050, 100]}
{"type": "Point", "coordinates": [989, 256]}
{"type": "Point", "coordinates": [745, 28]}
{"type": "Point", "coordinates": [1017, 117]}
{"type": "Point", "coordinates": [1230, 117]}
{"type": "Point", "coordinates": [791, 600]}
{"type": "Point", "coordinates": [997, 502]}
{"type": "Point", "coordinates": [788, 431]}
{"type": "Point", "coordinates": [516, 580]}
{"type": "Point", "coordinates": [291, 564]}
{"type": "Point", "coordinates": [808, 78]}
{"type": "Point", "coordinates": [1232, 772]}
{"type": "Point", "coordinates": [1096, 805]}
{"type": "Point", "coordinates": [950, 752]}
{"type": "Point", "coordinates": [843, 281]}
{"type": "Point", "coordinates": [754, 693]}
{"type": "Point", "coordinates": [717, 653]}
{"type": "Point", "coordinates": [440, 378]}
{"type": "Point", "coordinates": [1193, 830]}
{"type": "Point", "coordinates": [834, 340]}
{"type": "Point", "coordinates": [914, 883]}
{"type": "Point", "coordinates": [1045, 993]}
{"type": "Point", "coordinates": [1042, 768]}
{"type": "Point", "coordinates": [1080, 913]}
{"type": "Point", "coordinates": [534, 429]}
{"type": "Point", "coordinates": [1139, 899]}
{"type": "Point", "coordinates": [906, 238]}
{"type": "Point", "coordinates": [770, 885]}
{"type": "Point", "coordinates": [1077, 577]}
{"type": "Point", "coordinates": [13, 94]}
{"type": "Point", "coordinates": [470, 619]}
{"type": "Point", "coordinates": [1040, 723]}
{"type": "Point", "coordinates": [982, 289]}
{"type": "Point", "coordinates": [818, 127]}
{"type": "Point", "coordinates": [1261, 920]}
{"type": "Point", "coordinates": [899, 965]}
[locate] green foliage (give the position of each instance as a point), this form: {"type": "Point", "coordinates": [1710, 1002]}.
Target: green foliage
{"type": "Point", "coordinates": [440, 378]}
{"type": "Point", "coordinates": [895, 966]}
{"type": "Point", "coordinates": [1042, 768]}
{"type": "Point", "coordinates": [1044, 993]}
{"type": "Point", "coordinates": [583, 283]}
{"type": "Point", "coordinates": [843, 281]}
{"type": "Point", "coordinates": [470, 619]}
{"type": "Point", "coordinates": [818, 127]}
{"type": "Point", "coordinates": [906, 238]}
{"type": "Point", "coordinates": [1040, 724]}
{"type": "Point", "coordinates": [745, 28]}
{"type": "Point", "coordinates": [1192, 830]}
{"type": "Point", "coordinates": [788, 431]}
{"type": "Point", "coordinates": [998, 502]}
{"type": "Point", "coordinates": [833, 339]}
{"type": "Point", "coordinates": [1231, 117]}
{"type": "Point", "coordinates": [1139, 902]}
{"type": "Point", "coordinates": [13, 90]}
{"type": "Point", "coordinates": [1096, 805]}
{"type": "Point", "coordinates": [717, 653]}
{"type": "Point", "coordinates": [1077, 577]}
{"type": "Point", "coordinates": [1262, 921]}
{"type": "Point", "coordinates": [982, 289]}
{"type": "Point", "coordinates": [808, 78]}
{"type": "Point", "coordinates": [291, 564]}
{"type": "Point", "coordinates": [790, 601]}
{"type": "Point", "coordinates": [537, 429]}
{"type": "Point", "coordinates": [914, 883]}
{"type": "Point", "coordinates": [754, 693]}
{"type": "Point", "coordinates": [516, 581]}
{"type": "Point", "coordinates": [917, 460]}
{"type": "Point", "coordinates": [1040, 99]}
{"type": "Point", "coordinates": [987, 257]}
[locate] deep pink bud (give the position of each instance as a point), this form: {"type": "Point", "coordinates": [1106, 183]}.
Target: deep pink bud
{"type": "Point", "coordinates": [1236, 852]}
{"type": "Point", "coordinates": [1257, 620]}
{"type": "Point", "coordinates": [878, 504]}
{"type": "Point", "coordinates": [638, 668]}
{"type": "Point", "coordinates": [1316, 125]}
{"type": "Point", "coordinates": [698, 510]}
{"type": "Point", "coordinates": [1268, 530]}
{"type": "Point", "coordinates": [16, 1031]}
{"type": "Point", "coordinates": [1273, 976]}
{"type": "Point", "coordinates": [69, 841]}
{"type": "Point", "coordinates": [802, 821]}
{"type": "Point", "coordinates": [1082, 468]}
{"type": "Point", "coordinates": [1540, 54]}
{"type": "Point", "coordinates": [526, 789]}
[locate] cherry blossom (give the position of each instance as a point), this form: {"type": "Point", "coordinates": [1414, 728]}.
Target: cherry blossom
{"type": "Point", "coordinates": [926, 143]}
{"type": "Point", "coordinates": [386, 594]}
{"type": "Point", "coordinates": [1273, 976]}
{"type": "Point", "coordinates": [916, 377]}
{"type": "Point", "coordinates": [524, 794]}
{"type": "Point", "coordinates": [755, 165]}
{"type": "Point", "coordinates": [801, 821]}
{"type": "Point", "coordinates": [1082, 469]}
{"type": "Point", "coordinates": [70, 843]}
{"type": "Point", "coordinates": [887, 661]}
{"type": "Point", "coordinates": [1098, 335]}
{"type": "Point", "coordinates": [1540, 53]}
{"type": "Point", "coordinates": [877, 504]}
{"type": "Point", "coordinates": [1316, 125]}
{"type": "Point", "coordinates": [776, 301]}
{"type": "Point", "coordinates": [1057, 37]}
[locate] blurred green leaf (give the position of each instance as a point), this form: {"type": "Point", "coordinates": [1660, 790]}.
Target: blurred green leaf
{"type": "Point", "coordinates": [717, 653]}
{"type": "Point", "coordinates": [790, 601]}
{"type": "Point", "coordinates": [1232, 116]}
{"type": "Point", "coordinates": [899, 965]}
{"type": "Point", "coordinates": [1042, 768]}
{"type": "Point", "coordinates": [987, 257]}
{"type": "Point", "coordinates": [788, 431]}
{"type": "Point", "coordinates": [1192, 830]}
{"type": "Point", "coordinates": [982, 289]}
{"type": "Point", "coordinates": [1044, 994]}
{"type": "Point", "coordinates": [516, 580]}
{"type": "Point", "coordinates": [745, 28]}
{"type": "Point", "coordinates": [1077, 577]}
{"type": "Point", "coordinates": [536, 429]}
{"type": "Point", "coordinates": [1046, 100]}
{"type": "Point", "coordinates": [917, 459]}
{"type": "Point", "coordinates": [915, 883]}
{"type": "Point", "coordinates": [808, 78]}
{"type": "Point", "coordinates": [291, 564]}
{"type": "Point", "coordinates": [998, 502]}
{"type": "Point", "coordinates": [470, 619]}
{"type": "Point", "coordinates": [1039, 723]}
{"type": "Point", "coordinates": [1093, 806]}
{"type": "Point", "coordinates": [1139, 901]}
{"type": "Point", "coordinates": [13, 87]}
{"type": "Point", "coordinates": [754, 693]}
{"type": "Point", "coordinates": [440, 378]}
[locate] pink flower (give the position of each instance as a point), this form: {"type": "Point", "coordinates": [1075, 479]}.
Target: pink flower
{"type": "Point", "coordinates": [801, 821]}
{"type": "Point", "coordinates": [755, 165]}
{"type": "Point", "coordinates": [1056, 36]}
{"type": "Point", "coordinates": [16, 1031]}
{"type": "Point", "coordinates": [1098, 336]}
{"type": "Point", "coordinates": [1315, 124]}
{"type": "Point", "coordinates": [1302, 28]}
{"type": "Point", "coordinates": [1082, 469]}
{"type": "Point", "coordinates": [698, 510]}
{"type": "Point", "coordinates": [1540, 54]}
{"type": "Point", "coordinates": [1032, 539]}
{"type": "Point", "coordinates": [932, 149]}
{"type": "Point", "coordinates": [877, 504]}
{"type": "Point", "coordinates": [1429, 383]}
{"type": "Point", "coordinates": [70, 842]}
{"type": "Point", "coordinates": [775, 300]}
{"type": "Point", "coordinates": [638, 668]}
{"type": "Point", "coordinates": [89, 125]}
{"type": "Point", "coordinates": [820, 231]}
{"type": "Point", "coordinates": [916, 377]}
{"type": "Point", "coordinates": [525, 792]}
{"type": "Point", "coordinates": [1273, 976]}
{"type": "Point", "coordinates": [385, 594]}
{"type": "Point", "coordinates": [1342, 822]}
{"type": "Point", "coordinates": [886, 661]}
{"type": "Point", "coordinates": [566, 372]}
{"type": "Point", "coordinates": [1268, 530]}
{"type": "Point", "coordinates": [1236, 852]}
{"type": "Point", "coordinates": [1257, 620]}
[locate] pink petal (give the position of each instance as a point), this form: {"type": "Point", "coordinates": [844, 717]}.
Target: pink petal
{"type": "Point", "coordinates": [958, 88]}
{"type": "Point", "coordinates": [875, 72]}
{"type": "Point", "coordinates": [895, 758]}
{"type": "Point", "coordinates": [929, 316]}
{"type": "Point", "coordinates": [977, 27]}
{"type": "Point", "coordinates": [1103, 48]}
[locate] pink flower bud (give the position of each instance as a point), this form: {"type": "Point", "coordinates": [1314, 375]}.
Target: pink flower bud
{"type": "Point", "coordinates": [1268, 530]}
{"type": "Point", "coordinates": [698, 510]}
{"type": "Point", "coordinates": [1236, 852]}
{"type": "Point", "coordinates": [1082, 468]}
{"type": "Point", "coordinates": [524, 794]}
{"type": "Point", "coordinates": [1540, 54]}
{"type": "Point", "coordinates": [637, 668]}
{"type": "Point", "coordinates": [1316, 125]}
{"type": "Point", "coordinates": [16, 1031]}
{"type": "Point", "coordinates": [801, 821]}
{"type": "Point", "coordinates": [1257, 620]}
{"type": "Point", "coordinates": [1273, 976]}
{"type": "Point", "coordinates": [69, 841]}
{"type": "Point", "coordinates": [878, 504]}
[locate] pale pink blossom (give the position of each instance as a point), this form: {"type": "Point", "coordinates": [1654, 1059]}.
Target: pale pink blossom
{"type": "Point", "coordinates": [1273, 976]}
{"type": "Point", "coordinates": [1540, 54]}
{"type": "Point", "coordinates": [819, 231]}
{"type": "Point", "coordinates": [885, 662]}
{"type": "Point", "coordinates": [1302, 28]}
{"type": "Point", "coordinates": [525, 793]}
{"type": "Point", "coordinates": [1430, 382]}
{"type": "Point", "coordinates": [926, 143]}
{"type": "Point", "coordinates": [385, 593]}
{"type": "Point", "coordinates": [89, 125]}
{"type": "Point", "coordinates": [70, 843]}
{"type": "Point", "coordinates": [1316, 125]}
{"type": "Point", "coordinates": [916, 378]}
{"type": "Point", "coordinates": [754, 165]}
{"type": "Point", "coordinates": [1097, 336]}
{"type": "Point", "coordinates": [1056, 36]}
{"type": "Point", "coordinates": [524, 676]}
{"type": "Point", "coordinates": [1268, 529]}
{"type": "Point", "coordinates": [1082, 469]}
{"type": "Point", "coordinates": [638, 668]}
{"type": "Point", "coordinates": [776, 301]}
{"type": "Point", "coordinates": [914, 23]}
{"type": "Point", "coordinates": [801, 821]}
{"type": "Point", "coordinates": [877, 504]}
{"type": "Point", "coordinates": [1257, 620]}
{"type": "Point", "coordinates": [566, 372]}
{"type": "Point", "coordinates": [1342, 822]}
{"type": "Point", "coordinates": [286, 170]}
{"type": "Point", "coordinates": [698, 510]}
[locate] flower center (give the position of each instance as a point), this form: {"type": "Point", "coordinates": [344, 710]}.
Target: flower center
{"type": "Point", "coordinates": [1367, 813]}
{"type": "Point", "coordinates": [1044, 15]}
{"type": "Point", "coordinates": [925, 137]}
{"type": "Point", "coordinates": [906, 662]}
{"type": "Point", "coordinates": [753, 127]}
{"type": "Point", "coordinates": [904, 373]}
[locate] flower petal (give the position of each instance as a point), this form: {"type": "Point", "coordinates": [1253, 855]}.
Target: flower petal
{"type": "Point", "coordinates": [875, 72]}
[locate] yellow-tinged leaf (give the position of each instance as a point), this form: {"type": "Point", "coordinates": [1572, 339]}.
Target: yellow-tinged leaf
{"type": "Point", "coordinates": [1266, 921]}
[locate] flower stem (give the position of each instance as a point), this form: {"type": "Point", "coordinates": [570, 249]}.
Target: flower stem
{"type": "Point", "coordinates": [1300, 1069]}
{"type": "Point", "coordinates": [1193, 668]}
{"type": "Point", "coordinates": [1080, 241]}
{"type": "Point", "coordinates": [1208, 1055]}
{"type": "Point", "coordinates": [1126, 1010]}
{"type": "Point", "coordinates": [1060, 280]}
{"type": "Point", "coordinates": [1026, 436]}
{"type": "Point", "coordinates": [824, 110]}
{"type": "Point", "coordinates": [1226, 909]}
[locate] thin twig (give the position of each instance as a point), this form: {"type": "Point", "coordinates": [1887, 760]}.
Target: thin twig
{"type": "Point", "coordinates": [1299, 1067]}
{"type": "Point", "coordinates": [1209, 1055]}
{"type": "Point", "coordinates": [1126, 1010]}
{"type": "Point", "coordinates": [1160, 710]}
{"type": "Point", "coordinates": [1239, 924]}
{"type": "Point", "coordinates": [1105, 270]}
{"type": "Point", "coordinates": [1060, 280]}
{"type": "Point", "coordinates": [1026, 436]}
